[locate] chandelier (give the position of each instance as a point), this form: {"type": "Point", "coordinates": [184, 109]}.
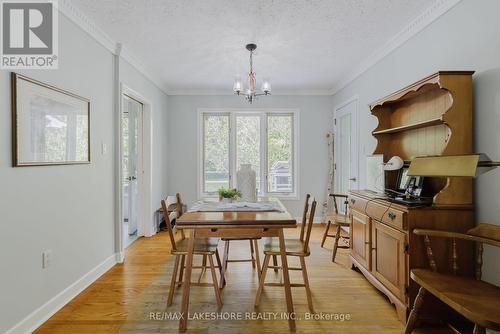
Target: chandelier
{"type": "Point", "coordinates": [250, 92]}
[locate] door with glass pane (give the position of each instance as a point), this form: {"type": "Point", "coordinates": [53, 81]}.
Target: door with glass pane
{"type": "Point", "coordinates": [346, 153]}
{"type": "Point", "coordinates": [131, 159]}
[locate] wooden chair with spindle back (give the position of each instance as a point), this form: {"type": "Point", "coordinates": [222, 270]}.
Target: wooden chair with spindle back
{"type": "Point", "coordinates": [474, 299]}
{"type": "Point", "coordinates": [206, 247]}
{"type": "Point", "coordinates": [294, 247]}
{"type": "Point", "coordinates": [341, 221]}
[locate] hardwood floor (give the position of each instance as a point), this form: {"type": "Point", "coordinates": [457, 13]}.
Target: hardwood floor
{"type": "Point", "coordinates": [122, 300]}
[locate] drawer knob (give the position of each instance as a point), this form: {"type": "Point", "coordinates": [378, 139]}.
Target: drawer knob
{"type": "Point", "coordinates": [392, 215]}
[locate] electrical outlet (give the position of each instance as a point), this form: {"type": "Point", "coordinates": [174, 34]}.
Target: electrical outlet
{"type": "Point", "coordinates": [104, 148]}
{"type": "Point", "coordinates": [46, 258]}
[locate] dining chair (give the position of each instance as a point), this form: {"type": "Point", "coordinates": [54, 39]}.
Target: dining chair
{"type": "Point", "coordinates": [206, 247]}
{"type": "Point", "coordinates": [340, 220]}
{"type": "Point", "coordinates": [179, 209]}
{"type": "Point", "coordinates": [294, 247]}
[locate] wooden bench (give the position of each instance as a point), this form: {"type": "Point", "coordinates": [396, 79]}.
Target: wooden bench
{"type": "Point", "coordinates": [474, 299]}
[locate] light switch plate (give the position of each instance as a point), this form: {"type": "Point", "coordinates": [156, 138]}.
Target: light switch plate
{"type": "Point", "coordinates": [46, 258]}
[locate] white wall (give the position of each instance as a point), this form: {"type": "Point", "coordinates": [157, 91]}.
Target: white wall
{"type": "Point", "coordinates": [314, 122]}
{"type": "Point", "coordinates": [465, 38]}
{"type": "Point", "coordinates": [68, 209]}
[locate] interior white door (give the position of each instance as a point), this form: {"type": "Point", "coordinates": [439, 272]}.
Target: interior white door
{"type": "Point", "coordinates": [346, 152]}
{"type": "Point", "coordinates": [132, 125]}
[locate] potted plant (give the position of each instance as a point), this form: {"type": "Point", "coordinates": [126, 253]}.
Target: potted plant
{"type": "Point", "coordinates": [228, 195]}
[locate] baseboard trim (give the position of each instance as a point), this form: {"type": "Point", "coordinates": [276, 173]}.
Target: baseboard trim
{"type": "Point", "coordinates": [44, 312]}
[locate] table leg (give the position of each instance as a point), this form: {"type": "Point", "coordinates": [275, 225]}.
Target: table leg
{"type": "Point", "coordinates": [286, 281]}
{"type": "Point", "coordinates": [187, 282]}
{"type": "Point", "coordinates": [225, 256]}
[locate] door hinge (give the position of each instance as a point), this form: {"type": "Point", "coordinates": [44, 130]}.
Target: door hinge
{"type": "Point", "coordinates": [407, 290]}
{"type": "Point", "coordinates": [335, 121]}
{"type": "Point", "coordinates": [335, 166]}
{"type": "Point", "coordinates": [406, 248]}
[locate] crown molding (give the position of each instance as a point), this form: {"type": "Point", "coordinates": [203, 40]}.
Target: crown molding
{"type": "Point", "coordinates": [128, 56]}
{"type": "Point", "coordinates": [228, 92]}
{"type": "Point", "coordinates": [430, 15]}
{"type": "Point", "coordinates": [69, 10]}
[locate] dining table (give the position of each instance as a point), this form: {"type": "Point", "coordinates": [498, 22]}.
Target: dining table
{"type": "Point", "coordinates": [237, 222]}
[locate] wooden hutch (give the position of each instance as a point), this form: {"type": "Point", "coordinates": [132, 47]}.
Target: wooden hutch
{"type": "Point", "coordinates": [430, 117]}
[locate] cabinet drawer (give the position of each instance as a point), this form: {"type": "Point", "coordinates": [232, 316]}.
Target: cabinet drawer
{"type": "Point", "coordinates": [381, 212]}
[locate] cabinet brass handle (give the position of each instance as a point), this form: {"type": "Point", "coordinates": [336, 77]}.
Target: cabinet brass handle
{"type": "Point", "coordinates": [392, 215]}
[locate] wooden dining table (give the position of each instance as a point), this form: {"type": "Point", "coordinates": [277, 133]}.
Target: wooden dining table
{"type": "Point", "coordinates": [236, 224]}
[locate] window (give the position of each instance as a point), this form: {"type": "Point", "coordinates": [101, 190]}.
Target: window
{"type": "Point", "coordinates": [215, 152]}
{"type": "Point", "coordinates": [248, 143]}
{"type": "Point", "coordinates": [279, 153]}
{"type": "Point", "coordinates": [265, 140]}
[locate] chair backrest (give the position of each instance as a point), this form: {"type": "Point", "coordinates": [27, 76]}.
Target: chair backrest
{"type": "Point", "coordinates": [481, 234]}
{"type": "Point", "coordinates": [305, 213]}
{"type": "Point", "coordinates": [309, 224]}
{"type": "Point", "coordinates": [164, 206]}
{"type": "Point", "coordinates": [180, 205]}
{"type": "Point", "coordinates": [335, 198]}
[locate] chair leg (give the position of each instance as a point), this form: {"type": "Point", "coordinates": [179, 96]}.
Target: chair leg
{"type": "Point", "coordinates": [306, 283]}
{"type": "Point", "coordinates": [275, 263]}
{"type": "Point", "coordinates": [181, 271]}
{"type": "Point", "coordinates": [252, 252]}
{"type": "Point", "coordinates": [172, 282]}
{"type": "Point", "coordinates": [325, 234]}
{"type": "Point", "coordinates": [479, 329]}
{"type": "Point", "coordinates": [203, 267]}
{"type": "Point", "coordinates": [257, 257]}
{"type": "Point", "coordinates": [219, 264]}
{"type": "Point", "coordinates": [413, 317]}
{"type": "Point", "coordinates": [224, 264]}
{"type": "Point", "coordinates": [262, 280]}
{"type": "Point", "coordinates": [336, 243]}
{"type": "Point", "coordinates": [214, 281]}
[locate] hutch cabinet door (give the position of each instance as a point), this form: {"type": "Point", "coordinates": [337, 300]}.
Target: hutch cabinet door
{"type": "Point", "coordinates": [389, 259]}
{"type": "Point", "coordinates": [360, 238]}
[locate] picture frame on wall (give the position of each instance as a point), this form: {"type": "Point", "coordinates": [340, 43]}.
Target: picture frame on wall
{"type": "Point", "coordinates": [50, 126]}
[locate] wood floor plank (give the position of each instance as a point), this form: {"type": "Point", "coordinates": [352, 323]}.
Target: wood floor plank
{"type": "Point", "coordinates": [122, 299]}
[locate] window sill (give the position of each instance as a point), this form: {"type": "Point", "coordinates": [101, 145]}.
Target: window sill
{"type": "Point", "coordinates": [284, 197]}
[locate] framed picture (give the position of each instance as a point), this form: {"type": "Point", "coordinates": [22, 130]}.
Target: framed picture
{"type": "Point", "coordinates": [49, 125]}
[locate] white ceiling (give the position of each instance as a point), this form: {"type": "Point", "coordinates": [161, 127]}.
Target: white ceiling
{"type": "Point", "coordinates": [303, 45]}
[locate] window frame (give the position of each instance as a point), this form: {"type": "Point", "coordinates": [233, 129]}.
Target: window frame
{"type": "Point", "coordinates": [263, 113]}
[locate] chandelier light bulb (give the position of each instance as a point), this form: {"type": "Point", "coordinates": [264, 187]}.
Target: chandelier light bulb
{"type": "Point", "coordinates": [237, 86]}
{"type": "Point", "coordinates": [266, 87]}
